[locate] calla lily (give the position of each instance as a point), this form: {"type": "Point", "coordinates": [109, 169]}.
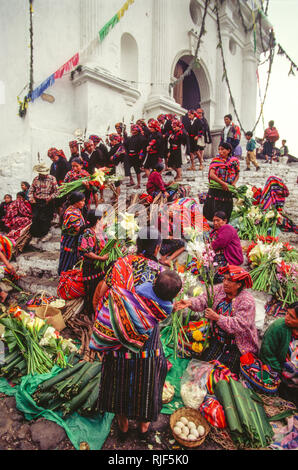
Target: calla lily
{"type": "Point", "coordinates": [129, 224]}
{"type": "Point", "coordinates": [270, 215]}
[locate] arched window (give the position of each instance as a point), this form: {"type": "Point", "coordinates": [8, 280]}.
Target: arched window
{"type": "Point", "coordinates": [129, 59]}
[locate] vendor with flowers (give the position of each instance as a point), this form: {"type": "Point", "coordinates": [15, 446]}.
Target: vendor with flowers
{"type": "Point", "coordinates": [224, 169]}
{"type": "Point", "coordinates": [232, 316]}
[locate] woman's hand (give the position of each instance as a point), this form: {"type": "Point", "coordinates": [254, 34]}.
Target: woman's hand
{"type": "Point", "coordinates": [224, 186]}
{"type": "Point", "coordinates": [211, 314]}
{"type": "Point", "coordinates": [86, 184]}
{"type": "Point", "coordinates": [181, 304]}
{"type": "Point", "coordinates": [104, 257]}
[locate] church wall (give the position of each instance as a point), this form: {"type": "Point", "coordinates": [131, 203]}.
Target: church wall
{"type": "Point", "coordinates": [61, 28]}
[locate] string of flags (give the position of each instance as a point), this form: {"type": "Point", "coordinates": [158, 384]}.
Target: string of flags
{"type": "Point", "coordinates": [70, 64]}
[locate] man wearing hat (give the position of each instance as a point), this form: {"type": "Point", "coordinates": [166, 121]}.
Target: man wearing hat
{"type": "Point", "coordinates": [42, 193]}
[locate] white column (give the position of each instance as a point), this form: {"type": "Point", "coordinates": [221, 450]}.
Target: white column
{"type": "Point", "coordinates": [159, 99]}
{"type": "Point", "coordinates": [249, 87]}
{"type": "Point", "coordinates": [90, 14]}
{"type": "Point", "coordinates": [159, 47]}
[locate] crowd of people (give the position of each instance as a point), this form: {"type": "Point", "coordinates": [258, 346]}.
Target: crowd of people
{"type": "Point", "coordinates": [132, 381]}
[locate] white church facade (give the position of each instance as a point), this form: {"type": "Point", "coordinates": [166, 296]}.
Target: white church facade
{"type": "Point", "coordinates": [123, 77]}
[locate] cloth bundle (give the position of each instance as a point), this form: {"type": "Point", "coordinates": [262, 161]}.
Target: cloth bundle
{"type": "Point", "coordinates": [125, 320]}
{"type": "Point", "coordinates": [71, 284]}
{"type": "Point", "coordinates": [259, 375]}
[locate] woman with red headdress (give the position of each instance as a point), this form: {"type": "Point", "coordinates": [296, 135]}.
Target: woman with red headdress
{"type": "Point", "coordinates": [177, 138]}
{"type": "Point", "coordinates": [155, 149]}
{"type": "Point", "coordinates": [232, 317]}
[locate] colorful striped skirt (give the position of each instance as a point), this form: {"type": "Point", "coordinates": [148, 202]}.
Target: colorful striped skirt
{"type": "Point", "coordinates": [132, 384]}
{"type": "Point", "coordinates": [68, 252]}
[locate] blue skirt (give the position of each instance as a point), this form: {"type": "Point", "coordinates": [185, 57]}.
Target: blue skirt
{"type": "Point", "coordinates": [68, 253]}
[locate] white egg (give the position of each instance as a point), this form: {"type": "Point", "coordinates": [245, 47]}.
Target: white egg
{"type": "Point", "coordinates": [184, 420]}
{"type": "Point", "coordinates": [177, 430]}
{"type": "Point", "coordinates": [179, 424]}
{"type": "Point", "coordinates": [201, 430]}
{"type": "Point", "coordinates": [191, 437]}
{"type": "Point", "coordinates": [194, 432]}
{"type": "Point", "coordinates": [186, 431]}
{"type": "Point", "coordinates": [191, 425]}
{"type": "Point", "coordinates": [183, 436]}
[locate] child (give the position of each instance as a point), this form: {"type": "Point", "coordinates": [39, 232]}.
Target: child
{"type": "Point", "coordinates": [251, 152]}
{"type": "Point", "coordinates": [3, 209]}
{"type": "Point", "coordinates": [164, 289]}
{"type": "Point", "coordinates": [25, 188]}
{"type": "Point", "coordinates": [155, 183]}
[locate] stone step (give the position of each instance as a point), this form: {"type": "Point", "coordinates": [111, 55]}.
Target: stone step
{"type": "Point", "coordinates": [36, 285]}
{"type": "Point", "coordinates": [39, 264]}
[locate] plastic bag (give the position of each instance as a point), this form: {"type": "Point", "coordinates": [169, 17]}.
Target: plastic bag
{"type": "Point", "coordinates": [193, 383]}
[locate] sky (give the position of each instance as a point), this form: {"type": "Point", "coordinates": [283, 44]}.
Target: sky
{"type": "Point", "coordinates": [281, 104]}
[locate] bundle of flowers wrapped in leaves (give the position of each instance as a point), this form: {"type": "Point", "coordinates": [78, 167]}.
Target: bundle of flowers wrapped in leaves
{"type": "Point", "coordinates": [275, 268]}
{"type": "Point", "coordinates": [34, 345]}
{"type": "Point", "coordinates": [98, 180]}
{"type": "Point", "coordinates": [121, 236]}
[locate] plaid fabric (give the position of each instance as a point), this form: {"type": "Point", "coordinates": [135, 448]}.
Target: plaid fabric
{"type": "Point", "coordinates": [43, 188]}
{"type": "Point", "coordinates": [74, 175]}
{"type": "Point", "coordinates": [18, 216]}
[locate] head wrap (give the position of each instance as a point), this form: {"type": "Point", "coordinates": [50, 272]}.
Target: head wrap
{"type": "Point", "coordinates": [136, 128]}
{"type": "Point", "coordinates": [155, 125]}
{"type": "Point", "coordinates": [237, 274]}
{"type": "Point", "coordinates": [94, 138]}
{"type": "Point", "coordinates": [72, 143]}
{"type": "Point", "coordinates": [140, 122]}
{"type": "Point", "coordinates": [161, 116]}
{"type": "Point", "coordinates": [177, 123]}
{"type": "Point", "coordinates": [200, 111]}
{"type": "Point", "coordinates": [52, 151]}
{"type": "Point", "coordinates": [116, 137]}
{"type": "Point", "coordinates": [61, 154]}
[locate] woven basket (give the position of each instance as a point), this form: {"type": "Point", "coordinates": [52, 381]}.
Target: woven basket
{"type": "Point", "coordinates": [192, 415]}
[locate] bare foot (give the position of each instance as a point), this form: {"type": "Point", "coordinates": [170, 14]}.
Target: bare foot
{"type": "Point", "coordinates": [122, 423]}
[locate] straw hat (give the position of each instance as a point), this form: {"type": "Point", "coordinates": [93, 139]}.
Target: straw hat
{"type": "Point", "coordinates": [42, 169]}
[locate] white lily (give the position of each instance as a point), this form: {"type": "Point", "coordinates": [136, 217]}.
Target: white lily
{"type": "Point", "coordinates": [129, 224]}
{"type": "Point", "coordinates": [270, 215]}
{"type": "Point", "coordinates": [249, 193]}
{"type": "Point", "coordinates": [100, 176]}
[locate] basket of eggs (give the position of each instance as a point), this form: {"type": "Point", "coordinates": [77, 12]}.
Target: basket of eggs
{"type": "Point", "coordinates": [189, 427]}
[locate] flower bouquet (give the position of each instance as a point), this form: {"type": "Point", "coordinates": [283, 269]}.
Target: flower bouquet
{"type": "Point", "coordinates": [122, 235]}
{"type": "Point", "coordinates": [29, 338]}
{"type": "Point", "coordinates": [96, 181]}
